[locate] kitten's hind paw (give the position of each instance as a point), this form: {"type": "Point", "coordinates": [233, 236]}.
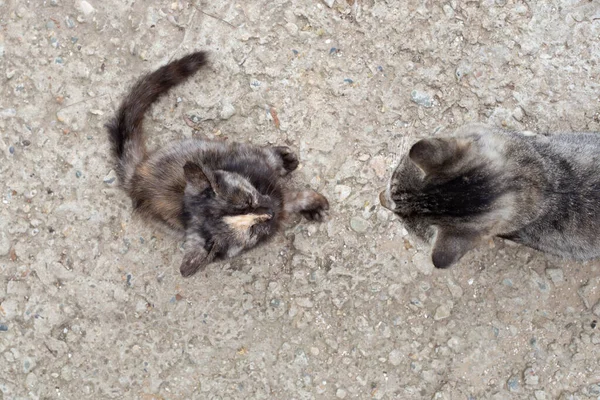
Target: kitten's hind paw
{"type": "Point", "coordinates": [310, 204]}
{"type": "Point", "coordinates": [288, 157]}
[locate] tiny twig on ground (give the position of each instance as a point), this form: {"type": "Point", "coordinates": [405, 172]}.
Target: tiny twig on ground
{"type": "Point", "coordinates": [215, 17]}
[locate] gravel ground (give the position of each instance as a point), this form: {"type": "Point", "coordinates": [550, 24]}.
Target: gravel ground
{"type": "Point", "coordinates": [92, 305]}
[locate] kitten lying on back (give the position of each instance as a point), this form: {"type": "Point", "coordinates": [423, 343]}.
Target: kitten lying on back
{"type": "Point", "coordinates": [540, 191]}
{"type": "Point", "coordinates": [225, 197]}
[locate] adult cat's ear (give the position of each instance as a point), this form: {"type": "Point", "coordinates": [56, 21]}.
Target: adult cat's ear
{"type": "Point", "coordinates": [451, 245]}
{"type": "Point", "coordinates": [433, 154]}
{"type": "Point", "coordinates": [196, 176]}
{"type": "Point", "coordinates": [195, 259]}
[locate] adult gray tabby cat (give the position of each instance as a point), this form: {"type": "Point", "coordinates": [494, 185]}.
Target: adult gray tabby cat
{"type": "Point", "coordinates": [540, 191]}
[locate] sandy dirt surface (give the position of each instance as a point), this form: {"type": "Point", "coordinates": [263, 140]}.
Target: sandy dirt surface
{"type": "Point", "coordinates": [92, 305]}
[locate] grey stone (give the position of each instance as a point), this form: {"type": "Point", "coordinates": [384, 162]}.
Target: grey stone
{"type": "Point", "coordinates": [395, 357]}
{"type": "Point", "coordinates": [421, 98]}
{"type": "Point", "coordinates": [227, 110]}
{"type": "Point", "coordinates": [4, 243]}
{"type": "Point", "coordinates": [359, 225]}
{"type": "Point", "coordinates": [343, 192]}
{"type": "Point", "coordinates": [86, 8]}
{"type": "Point", "coordinates": [590, 292]}
{"type": "Point", "coordinates": [8, 113]}
{"type": "Point", "coordinates": [530, 377]}
{"type": "Point", "coordinates": [540, 395]}
{"type": "Point", "coordinates": [555, 274]}
{"type": "Point", "coordinates": [443, 311]}
{"type": "Point", "coordinates": [110, 178]}
{"type": "Point", "coordinates": [513, 384]}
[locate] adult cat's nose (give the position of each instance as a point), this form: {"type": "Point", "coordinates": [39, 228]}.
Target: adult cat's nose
{"type": "Point", "coordinates": [383, 200]}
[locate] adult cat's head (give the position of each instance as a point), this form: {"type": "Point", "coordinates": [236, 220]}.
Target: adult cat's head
{"type": "Point", "coordinates": [225, 213]}
{"type": "Point", "coordinates": [462, 189]}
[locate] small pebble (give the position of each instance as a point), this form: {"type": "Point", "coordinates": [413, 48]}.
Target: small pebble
{"type": "Point", "coordinates": [343, 192]}
{"type": "Point", "coordinates": [531, 379]}
{"type": "Point", "coordinates": [348, 80]}
{"type": "Point", "coordinates": [11, 150]}
{"type": "Point", "coordinates": [442, 312]}
{"type": "Point", "coordinates": [78, 174]}
{"type": "Point", "coordinates": [70, 23]}
{"type": "Point", "coordinates": [395, 357]}
{"type": "Point", "coordinates": [8, 112]}
{"type": "Point", "coordinates": [304, 302]}
{"type": "Point", "coordinates": [555, 274]}
{"type": "Point", "coordinates": [594, 389]}
{"type": "Point", "coordinates": [50, 25]}
{"type": "Point", "coordinates": [110, 178]}
{"type": "Point", "coordinates": [3, 327]}
{"type": "Point", "coordinates": [4, 244]}
{"type": "Point", "coordinates": [359, 225]}
{"type": "Point", "coordinates": [86, 8]}
{"type": "Point", "coordinates": [227, 110]}
{"type": "Point", "coordinates": [340, 393]}
{"type": "Point", "coordinates": [448, 10]}
{"type": "Point", "coordinates": [590, 292]}
{"type": "Point", "coordinates": [329, 3]}
{"type": "Point", "coordinates": [513, 384]}
{"type": "Point", "coordinates": [275, 302]}
{"type": "Point", "coordinates": [421, 98]}
{"type": "Point", "coordinates": [423, 263]}
{"type": "Point", "coordinates": [540, 395]}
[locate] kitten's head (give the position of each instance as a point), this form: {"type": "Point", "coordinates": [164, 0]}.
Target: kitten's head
{"type": "Point", "coordinates": [225, 214]}
{"type": "Point", "coordinates": [457, 185]}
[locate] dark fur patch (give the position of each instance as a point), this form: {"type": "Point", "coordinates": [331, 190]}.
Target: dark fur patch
{"type": "Point", "coordinates": [126, 125]}
{"type": "Point", "coordinates": [471, 193]}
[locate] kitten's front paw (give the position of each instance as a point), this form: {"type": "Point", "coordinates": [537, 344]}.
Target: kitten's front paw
{"type": "Point", "coordinates": [316, 209]}
{"type": "Point", "coordinates": [289, 158]}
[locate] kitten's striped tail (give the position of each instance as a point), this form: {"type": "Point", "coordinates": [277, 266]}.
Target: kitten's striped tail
{"type": "Point", "coordinates": [125, 129]}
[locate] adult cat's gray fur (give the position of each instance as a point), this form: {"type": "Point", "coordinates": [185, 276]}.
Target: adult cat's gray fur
{"type": "Point", "coordinates": [540, 191]}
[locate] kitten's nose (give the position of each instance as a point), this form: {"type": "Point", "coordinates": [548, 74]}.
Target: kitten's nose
{"type": "Point", "coordinates": [383, 200]}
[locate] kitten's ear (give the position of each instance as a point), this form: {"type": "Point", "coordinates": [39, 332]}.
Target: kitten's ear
{"type": "Point", "coordinates": [433, 154]}
{"type": "Point", "coordinates": [196, 176]}
{"type": "Point", "coordinates": [450, 246]}
{"type": "Point", "coordinates": [194, 260]}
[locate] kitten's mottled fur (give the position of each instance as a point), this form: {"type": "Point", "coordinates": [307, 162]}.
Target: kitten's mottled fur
{"type": "Point", "coordinates": [540, 191]}
{"type": "Point", "coordinates": [225, 197]}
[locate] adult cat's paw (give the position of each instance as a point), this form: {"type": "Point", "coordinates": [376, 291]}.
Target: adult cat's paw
{"type": "Point", "coordinates": [316, 209]}
{"type": "Point", "coordinates": [288, 157]}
